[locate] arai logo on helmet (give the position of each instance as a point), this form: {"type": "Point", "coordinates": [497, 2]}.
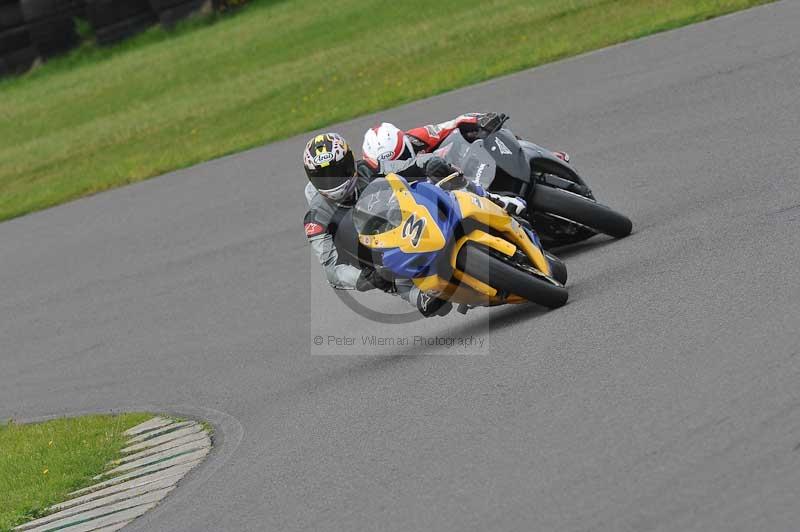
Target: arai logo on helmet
{"type": "Point", "coordinates": [385, 156]}
{"type": "Point", "coordinates": [324, 157]}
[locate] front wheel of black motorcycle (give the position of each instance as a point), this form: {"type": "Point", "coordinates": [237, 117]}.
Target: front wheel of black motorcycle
{"type": "Point", "coordinates": [508, 277]}
{"type": "Point", "coordinates": [579, 209]}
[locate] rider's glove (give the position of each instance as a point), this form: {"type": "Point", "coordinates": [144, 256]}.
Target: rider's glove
{"type": "Point", "coordinates": [370, 279]}
{"type": "Point", "coordinates": [429, 305]}
{"type": "Point", "coordinates": [511, 204]}
{"type": "Point", "coordinates": [437, 168]}
{"type": "Point", "coordinates": [490, 122]}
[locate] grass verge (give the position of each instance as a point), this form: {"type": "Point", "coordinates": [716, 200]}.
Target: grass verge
{"type": "Point", "coordinates": [41, 462]}
{"type": "Point", "coordinates": [101, 118]}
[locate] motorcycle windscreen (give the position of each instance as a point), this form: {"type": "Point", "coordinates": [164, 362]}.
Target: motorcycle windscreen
{"type": "Point", "coordinates": [479, 166]}
{"type": "Point", "coordinates": [474, 161]}
{"type": "Point", "coordinates": [377, 209]}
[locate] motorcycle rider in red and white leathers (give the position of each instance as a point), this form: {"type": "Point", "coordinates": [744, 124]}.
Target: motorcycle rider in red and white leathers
{"type": "Point", "coordinates": [387, 142]}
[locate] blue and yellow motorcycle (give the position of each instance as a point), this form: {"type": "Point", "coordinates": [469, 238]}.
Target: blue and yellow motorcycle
{"type": "Point", "coordinates": [455, 243]}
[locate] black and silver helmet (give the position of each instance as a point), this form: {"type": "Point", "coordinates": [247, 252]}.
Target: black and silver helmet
{"type": "Point", "coordinates": [330, 166]}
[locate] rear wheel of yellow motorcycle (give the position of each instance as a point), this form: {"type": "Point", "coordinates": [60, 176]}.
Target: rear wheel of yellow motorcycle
{"type": "Point", "coordinates": [509, 277]}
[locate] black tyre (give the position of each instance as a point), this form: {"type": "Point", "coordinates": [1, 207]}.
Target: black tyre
{"type": "Point", "coordinates": [169, 17]}
{"type": "Point", "coordinates": [581, 210]}
{"type": "Point", "coordinates": [125, 29]}
{"type": "Point", "coordinates": [39, 9]}
{"type": "Point", "coordinates": [557, 267]}
{"type": "Point", "coordinates": [498, 271]}
{"type": "Point", "coordinates": [105, 13]}
{"type": "Point", "coordinates": [54, 35]}
{"type": "Point", "coordinates": [162, 5]}
{"type": "Point", "coordinates": [10, 16]}
{"type": "Point", "coordinates": [14, 39]}
{"type": "Point", "coordinates": [18, 61]}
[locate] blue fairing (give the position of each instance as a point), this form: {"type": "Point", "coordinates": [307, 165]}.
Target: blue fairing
{"type": "Point", "coordinates": [444, 209]}
{"type": "Point", "coordinates": [534, 237]}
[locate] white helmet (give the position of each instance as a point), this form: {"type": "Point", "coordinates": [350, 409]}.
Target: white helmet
{"type": "Point", "coordinates": [386, 143]}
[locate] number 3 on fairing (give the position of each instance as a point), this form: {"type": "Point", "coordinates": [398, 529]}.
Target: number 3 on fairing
{"type": "Point", "coordinates": [412, 229]}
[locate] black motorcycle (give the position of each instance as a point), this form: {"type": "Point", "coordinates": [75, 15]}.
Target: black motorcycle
{"type": "Point", "coordinates": [561, 206]}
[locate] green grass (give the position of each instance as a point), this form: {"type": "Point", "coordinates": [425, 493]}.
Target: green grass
{"type": "Point", "coordinates": [40, 463]}
{"type": "Point", "coordinates": [101, 118]}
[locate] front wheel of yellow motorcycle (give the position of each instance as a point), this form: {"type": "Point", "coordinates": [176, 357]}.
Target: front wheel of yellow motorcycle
{"type": "Point", "coordinates": [510, 277]}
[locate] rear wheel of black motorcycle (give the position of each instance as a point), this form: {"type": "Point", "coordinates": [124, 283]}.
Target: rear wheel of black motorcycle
{"type": "Point", "coordinates": [580, 209]}
{"type": "Point", "coordinates": [500, 272]}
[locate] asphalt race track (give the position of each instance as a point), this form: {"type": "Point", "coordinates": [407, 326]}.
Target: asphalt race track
{"type": "Point", "coordinates": [665, 396]}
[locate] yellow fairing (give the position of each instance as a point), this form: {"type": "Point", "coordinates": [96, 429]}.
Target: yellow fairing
{"type": "Point", "coordinates": [470, 290]}
{"type": "Point", "coordinates": [486, 212]}
{"type": "Point", "coordinates": [482, 237]}
{"type": "Point", "coordinates": [460, 293]}
{"type": "Point", "coordinates": [415, 219]}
